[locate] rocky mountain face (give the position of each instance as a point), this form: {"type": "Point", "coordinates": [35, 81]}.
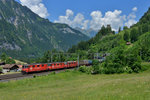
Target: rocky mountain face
{"type": "Point", "coordinates": [25, 34]}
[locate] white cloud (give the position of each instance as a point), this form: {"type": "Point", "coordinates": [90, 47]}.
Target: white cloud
{"type": "Point", "coordinates": [134, 9]}
{"type": "Point", "coordinates": [131, 18]}
{"type": "Point", "coordinates": [36, 6]}
{"type": "Point", "coordinates": [130, 22]}
{"type": "Point", "coordinates": [66, 18]}
{"type": "Point", "coordinates": [85, 24]}
{"type": "Point", "coordinates": [96, 14]}
{"type": "Point", "coordinates": [78, 18]}
{"type": "Point", "coordinates": [69, 13]}
{"type": "Point", "coordinates": [114, 18]}
{"type": "Point", "coordinates": [74, 21]}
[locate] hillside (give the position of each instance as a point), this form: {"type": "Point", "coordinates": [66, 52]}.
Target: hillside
{"type": "Point", "coordinates": [89, 32]}
{"type": "Point", "coordinates": [138, 37]}
{"type": "Point", "coordinates": [23, 34]}
{"type": "Point", "coordinates": [103, 40]}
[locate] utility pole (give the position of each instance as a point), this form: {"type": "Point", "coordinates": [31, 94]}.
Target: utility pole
{"type": "Point", "coordinates": [51, 57]}
{"type": "Point", "coordinates": [59, 57]}
{"type": "Point", "coordinates": [67, 56]}
{"type": "Point", "coordinates": [78, 60]}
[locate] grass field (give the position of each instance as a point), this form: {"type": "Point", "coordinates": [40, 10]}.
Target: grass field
{"type": "Point", "coordinates": [78, 86]}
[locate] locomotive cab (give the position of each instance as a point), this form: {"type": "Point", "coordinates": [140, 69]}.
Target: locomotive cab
{"type": "Point", "coordinates": [24, 69]}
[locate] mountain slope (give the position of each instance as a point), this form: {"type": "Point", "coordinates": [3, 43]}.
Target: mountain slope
{"type": "Point", "coordinates": [90, 32]}
{"type": "Point", "coordinates": [25, 34]}
{"type": "Point", "coordinates": [134, 40]}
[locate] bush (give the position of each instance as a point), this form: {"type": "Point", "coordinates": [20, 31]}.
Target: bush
{"type": "Point", "coordinates": [110, 70]}
{"type": "Point", "coordinates": [120, 70]}
{"type": "Point", "coordinates": [89, 70]}
{"type": "Point", "coordinates": [145, 66]}
{"type": "Point", "coordinates": [1, 69]}
{"type": "Point", "coordinates": [67, 70]}
{"type": "Point", "coordinates": [82, 69]}
{"type": "Point", "coordinates": [136, 67]}
{"type": "Point", "coordinates": [101, 69]}
{"type": "Point", "coordinates": [95, 67]}
{"type": "Point", "coordinates": [128, 69]}
{"type": "Point", "coordinates": [7, 59]}
{"type": "Point", "coordinates": [122, 62]}
{"type": "Point", "coordinates": [10, 61]}
{"type": "Point", "coordinates": [112, 67]}
{"type": "Point", "coordinates": [134, 62]}
{"type": "Point", "coordinates": [85, 69]}
{"type": "Point", "coordinates": [53, 73]}
{"type": "Point", "coordinates": [34, 76]}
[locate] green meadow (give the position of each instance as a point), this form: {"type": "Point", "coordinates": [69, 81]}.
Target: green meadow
{"type": "Point", "coordinates": [73, 85]}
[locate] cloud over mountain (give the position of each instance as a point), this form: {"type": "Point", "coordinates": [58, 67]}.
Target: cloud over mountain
{"type": "Point", "coordinates": [74, 21]}
{"type": "Point", "coordinates": [36, 6]}
{"type": "Point", "coordinates": [114, 18]}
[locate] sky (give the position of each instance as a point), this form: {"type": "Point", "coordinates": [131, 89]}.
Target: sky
{"type": "Point", "coordinates": [88, 14]}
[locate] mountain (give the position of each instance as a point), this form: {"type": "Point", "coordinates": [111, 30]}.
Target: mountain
{"type": "Point", "coordinates": [89, 32]}
{"type": "Point", "coordinates": [134, 40]}
{"type": "Point", "coordinates": [92, 32]}
{"type": "Point", "coordinates": [25, 34]}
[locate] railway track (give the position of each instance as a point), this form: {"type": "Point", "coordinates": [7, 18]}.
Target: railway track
{"type": "Point", "coordinates": [11, 77]}
{"type": "Point", "coordinates": [17, 76]}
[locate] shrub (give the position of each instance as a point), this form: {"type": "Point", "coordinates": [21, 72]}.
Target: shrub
{"type": "Point", "coordinates": [89, 70]}
{"type": "Point", "coordinates": [95, 67]}
{"type": "Point", "coordinates": [120, 70]}
{"type": "Point", "coordinates": [128, 69]}
{"type": "Point", "coordinates": [6, 59]}
{"type": "Point", "coordinates": [136, 67]}
{"type": "Point", "coordinates": [82, 69]}
{"type": "Point", "coordinates": [10, 61]}
{"type": "Point", "coordinates": [34, 76]}
{"type": "Point", "coordinates": [1, 69]}
{"type": "Point", "coordinates": [145, 66]}
{"type": "Point", "coordinates": [134, 62]}
{"type": "Point", "coordinates": [110, 70]}
{"type": "Point", "coordinates": [53, 73]}
{"type": "Point", "coordinates": [101, 69]}
{"type": "Point", "coordinates": [67, 70]}
{"type": "Point", "coordinates": [85, 69]}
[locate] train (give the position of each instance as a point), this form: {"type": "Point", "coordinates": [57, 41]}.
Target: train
{"type": "Point", "coordinates": [39, 67]}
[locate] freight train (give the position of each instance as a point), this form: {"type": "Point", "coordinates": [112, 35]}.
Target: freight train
{"type": "Point", "coordinates": [53, 66]}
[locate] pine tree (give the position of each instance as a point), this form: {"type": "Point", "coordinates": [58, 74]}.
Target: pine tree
{"type": "Point", "coordinates": [126, 36]}
{"type": "Point", "coordinates": [3, 57]}
{"type": "Point", "coordinates": [134, 35]}
{"type": "Point", "coordinates": [119, 29]}
{"type": "Point", "coordinates": [125, 27]}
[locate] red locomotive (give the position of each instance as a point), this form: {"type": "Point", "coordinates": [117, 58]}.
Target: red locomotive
{"type": "Point", "coordinates": [48, 66]}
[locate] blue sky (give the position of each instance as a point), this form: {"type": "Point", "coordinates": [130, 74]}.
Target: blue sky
{"type": "Point", "coordinates": [79, 12]}
{"type": "Point", "coordinates": [58, 7]}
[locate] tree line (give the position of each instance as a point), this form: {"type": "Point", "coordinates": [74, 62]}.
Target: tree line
{"type": "Point", "coordinates": [6, 59]}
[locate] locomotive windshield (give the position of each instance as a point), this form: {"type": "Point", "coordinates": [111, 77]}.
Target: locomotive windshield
{"type": "Point", "coordinates": [24, 66]}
